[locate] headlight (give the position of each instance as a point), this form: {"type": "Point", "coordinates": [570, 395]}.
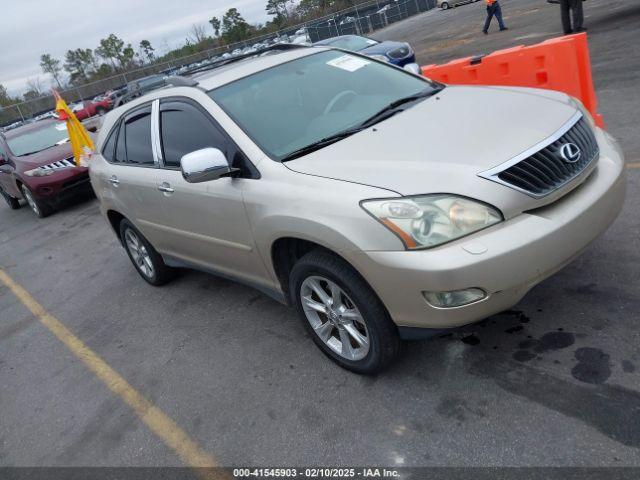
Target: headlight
{"type": "Point", "coordinates": [40, 172]}
{"type": "Point", "coordinates": [381, 58]}
{"type": "Point", "coordinates": [587, 114]}
{"type": "Point", "coordinates": [430, 220]}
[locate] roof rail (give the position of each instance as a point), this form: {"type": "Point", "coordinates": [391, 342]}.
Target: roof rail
{"type": "Point", "coordinates": [227, 61]}
{"type": "Point", "coordinates": [177, 81]}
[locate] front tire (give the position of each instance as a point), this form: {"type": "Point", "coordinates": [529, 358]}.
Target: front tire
{"type": "Point", "coordinates": [14, 203]}
{"type": "Point", "coordinates": [38, 207]}
{"type": "Point", "coordinates": [145, 258]}
{"type": "Point", "coordinates": [343, 315]}
{"type": "Point", "coordinates": [445, 6]}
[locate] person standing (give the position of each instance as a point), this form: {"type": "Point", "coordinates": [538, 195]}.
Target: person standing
{"type": "Point", "coordinates": [493, 8]}
{"type": "Point", "coordinates": [569, 8]}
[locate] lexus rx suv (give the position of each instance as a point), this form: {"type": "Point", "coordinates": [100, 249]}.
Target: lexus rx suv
{"type": "Point", "coordinates": [334, 183]}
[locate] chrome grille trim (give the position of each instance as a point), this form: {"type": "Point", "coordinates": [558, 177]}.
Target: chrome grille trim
{"type": "Point", "coordinates": [540, 171]}
{"type": "Point", "coordinates": [65, 163]}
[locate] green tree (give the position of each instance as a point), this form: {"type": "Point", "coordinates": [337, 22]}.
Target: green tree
{"type": "Point", "coordinates": [147, 50]}
{"type": "Point", "coordinates": [51, 66]}
{"type": "Point", "coordinates": [127, 56]}
{"type": "Point", "coordinates": [279, 9]}
{"type": "Point", "coordinates": [215, 24]}
{"type": "Point", "coordinates": [111, 49]}
{"type": "Point", "coordinates": [234, 26]}
{"type": "Point", "coordinates": [79, 63]}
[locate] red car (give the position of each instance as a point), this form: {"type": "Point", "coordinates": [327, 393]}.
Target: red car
{"type": "Point", "coordinates": [89, 109]}
{"type": "Point", "coordinates": [37, 165]}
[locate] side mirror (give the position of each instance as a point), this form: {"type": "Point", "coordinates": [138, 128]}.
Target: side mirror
{"type": "Point", "coordinates": [205, 165]}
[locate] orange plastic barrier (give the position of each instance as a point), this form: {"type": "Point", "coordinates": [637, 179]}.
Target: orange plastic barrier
{"type": "Point", "coordinates": [558, 64]}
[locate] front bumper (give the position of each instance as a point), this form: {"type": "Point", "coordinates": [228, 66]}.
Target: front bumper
{"type": "Point", "coordinates": [61, 185]}
{"type": "Point", "coordinates": [518, 253]}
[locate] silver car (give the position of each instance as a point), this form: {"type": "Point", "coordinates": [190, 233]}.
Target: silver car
{"type": "Point", "coordinates": [335, 184]}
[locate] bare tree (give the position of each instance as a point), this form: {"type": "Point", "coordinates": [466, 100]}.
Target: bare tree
{"type": "Point", "coordinates": [197, 34]}
{"type": "Point", "coordinates": [35, 86]}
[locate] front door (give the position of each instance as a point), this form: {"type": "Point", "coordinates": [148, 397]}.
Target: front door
{"type": "Point", "coordinates": [206, 223]}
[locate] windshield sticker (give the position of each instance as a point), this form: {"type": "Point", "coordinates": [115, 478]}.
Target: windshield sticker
{"type": "Point", "coordinates": [348, 63]}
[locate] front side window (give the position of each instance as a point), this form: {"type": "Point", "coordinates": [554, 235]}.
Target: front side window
{"type": "Point", "coordinates": [296, 104]}
{"type": "Point", "coordinates": [37, 140]}
{"type": "Point", "coordinates": [185, 129]}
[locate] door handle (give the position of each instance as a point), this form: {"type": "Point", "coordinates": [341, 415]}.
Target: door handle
{"type": "Point", "coordinates": [114, 181]}
{"type": "Point", "coordinates": [165, 187]}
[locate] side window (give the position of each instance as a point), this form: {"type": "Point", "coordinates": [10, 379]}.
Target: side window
{"type": "Point", "coordinates": [109, 150]}
{"type": "Point", "coordinates": [184, 129]}
{"type": "Point", "coordinates": [138, 139]}
{"type": "Point", "coordinates": [121, 151]}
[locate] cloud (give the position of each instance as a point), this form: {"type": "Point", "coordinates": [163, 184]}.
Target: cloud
{"type": "Point", "coordinates": [33, 27]}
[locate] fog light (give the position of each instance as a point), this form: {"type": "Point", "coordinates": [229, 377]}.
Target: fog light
{"type": "Point", "coordinates": [457, 298]}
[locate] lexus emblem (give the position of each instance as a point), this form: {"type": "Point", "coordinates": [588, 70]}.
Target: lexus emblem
{"type": "Point", "coordinates": [570, 152]}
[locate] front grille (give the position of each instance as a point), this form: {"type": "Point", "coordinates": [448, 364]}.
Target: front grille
{"type": "Point", "coordinates": [546, 170]}
{"type": "Point", "coordinates": [399, 53]}
{"type": "Point", "coordinates": [65, 163]}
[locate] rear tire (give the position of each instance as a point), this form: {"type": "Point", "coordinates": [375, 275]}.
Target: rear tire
{"type": "Point", "coordinates": [348, 322]}
{"type": "Point", "coordinates": [37, 206]}
{"type": "Point", "coordinates": [145, 258]}
{"type": "Point", "coordinates": [445, 6]}
{"type": "Point", "coordinates": [14, 203]}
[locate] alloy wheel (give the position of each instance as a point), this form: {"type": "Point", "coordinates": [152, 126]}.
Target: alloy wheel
{"type": "Point", "coordinates": [335, 318]}
{"type": "Point", "coordinates": [30, 200]}
{"type": "Point", "coordinates": [139, 253]}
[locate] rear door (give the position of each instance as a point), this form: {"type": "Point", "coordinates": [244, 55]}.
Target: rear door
{"type": "Point", "coordinates": [131, 175]}
{"type": "Point", "coordinates": [7, 182]}
{"type": "Point", "coordinates": [206, 222]}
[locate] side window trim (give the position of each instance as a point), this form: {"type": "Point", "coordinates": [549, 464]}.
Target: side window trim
{"type": "Point", "coordinates": [155, 134]}
{"type": "Point", "coordinates": [116, 130]}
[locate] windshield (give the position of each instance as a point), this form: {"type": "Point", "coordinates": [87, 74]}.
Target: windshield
{"type": "Point", "coordinates": [298, 103]}
{"type": "Point", "coordinates": [34, 141]}
{"type": "Point", "coordinates": [355, 44]}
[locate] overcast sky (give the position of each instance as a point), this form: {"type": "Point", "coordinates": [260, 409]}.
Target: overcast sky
{"type": "Point", "coordinates": [30, 28]}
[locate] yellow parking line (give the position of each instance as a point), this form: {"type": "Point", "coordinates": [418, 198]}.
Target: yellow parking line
{"type": "Point", "coordinates": [158, 422]}
{"type": "Point", "coordinates": [633, 165]}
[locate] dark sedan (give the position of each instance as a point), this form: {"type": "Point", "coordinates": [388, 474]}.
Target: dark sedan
{"type": "Point", "coordinates": [396, 53]}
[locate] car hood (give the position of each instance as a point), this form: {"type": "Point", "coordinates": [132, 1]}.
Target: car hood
{"type": "Point", "coordinates": [381, 48]}
{"type": "Point", "coordinates": [53, 154]}
{"type": "Point", "coordinates": [441, 144]}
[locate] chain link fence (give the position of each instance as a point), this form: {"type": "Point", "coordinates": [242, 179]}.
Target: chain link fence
{"type": "Point", "coordinates": [361, 19]}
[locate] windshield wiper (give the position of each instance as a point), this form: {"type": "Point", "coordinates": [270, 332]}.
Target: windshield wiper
{"type": "Point", "coordinates": [383, 114]}
{"type": "Point", "coordinates": [31, 153]}
{"type": "Point", "coordinates": [323, 142]}
{"type": "Point", "coordinates": [391, 109]}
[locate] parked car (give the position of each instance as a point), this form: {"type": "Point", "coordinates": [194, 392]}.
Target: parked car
{"type": "Point", "coordinates": [87, 109]}
{"type": "Point", "coordinates": [144, 85]}
{"type": "Point", "coordinates": [37, 165]}
{"type": "Point", "coordinates": [396, 53]}
{"type": "Point", "coordinates": [446, 4]}
{"type": "Point", "coordinates": [336, 184]}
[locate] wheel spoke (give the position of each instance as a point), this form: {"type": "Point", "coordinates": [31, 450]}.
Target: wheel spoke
{"type": "Point", "coordinates": [352, 314]}
{"type": "Point", "coordinates": [315, 285]}
{"type": "Point", "coordinates": [356, 335]}
{"type": "Point", "coordinates": [311, 304]}
{"type": "Point", "coordinates": [324, 331]}
{"type": "Point", "coordinates": [336, 295]}
{"type": "Point", "coordinates": [148, 264]}
{"type": "Point", "coordinates": [347, 349]}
